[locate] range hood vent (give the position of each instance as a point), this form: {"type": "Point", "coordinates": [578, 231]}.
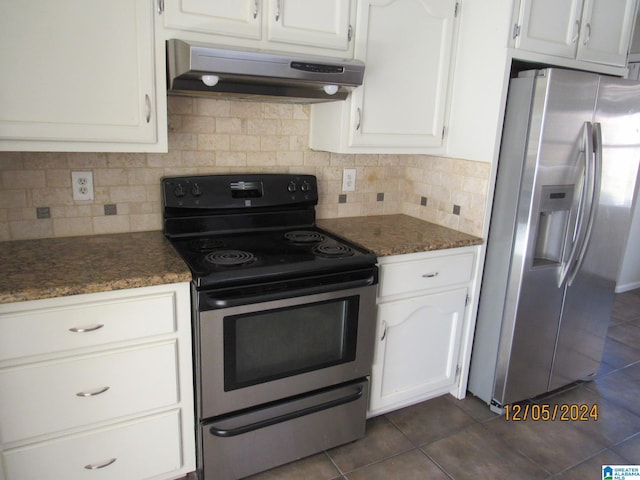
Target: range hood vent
{"type": "Point", "coordinates": [208, 70]}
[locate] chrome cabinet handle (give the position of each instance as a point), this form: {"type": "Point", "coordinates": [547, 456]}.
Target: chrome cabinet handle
{"type": "Point", "coordinates": [587, 37]}
{"type": "Point", "coordinates": [431, 275]}
{"type": "Point", "coordinates": [96, 466]}
{"type": "Point", "coordinates": [576, 32]}
{"type": "Point", "coordinates": [147, 102]}
{"type": "Point", "coordinates": [92, 328]}
{"type": "Point", "coordinates": [384, 330]}
{"type": "Point", "coordinates": [278, 10]}
{"type": "Point", "coordinates": [255, 9]}
{"type": "Point", "coordinates": [359, 112]}
{"type": "Point", "coordinates": [92, 393]}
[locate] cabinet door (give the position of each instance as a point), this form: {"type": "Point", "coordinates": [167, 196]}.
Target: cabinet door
{"type": "Point", "coordinates": [237, 18]}
{"type": "Point", "coordinates": [317, 23]}
{"type": "Point", "coordinates": [149, 447]}
{"type": "Point", "coordinates": [550, 26]}
{"type": "Point", "coordinates": [407, 48]}
{"type": "Point", "coordinates": [606, 31]}
{"type": "Point", "coordinates": [77, 72]}
{"type": "Point", "coordinates": [417, 349]}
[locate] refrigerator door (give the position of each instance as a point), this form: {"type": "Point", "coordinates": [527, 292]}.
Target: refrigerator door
{"type": "Point", "coordinates": [548, 207]}
{"type": "Point", "coordinates": [590, 295]}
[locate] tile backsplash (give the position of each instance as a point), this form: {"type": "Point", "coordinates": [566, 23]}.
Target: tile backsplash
{"type": "Point", "coordinates": [221, 136]}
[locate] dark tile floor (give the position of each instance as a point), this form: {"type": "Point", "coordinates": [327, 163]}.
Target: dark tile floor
{"type": "Point", "coordinates": [445, 438]}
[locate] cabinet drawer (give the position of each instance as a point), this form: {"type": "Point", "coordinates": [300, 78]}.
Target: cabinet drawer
{"type": "Point", "coordinates": [417, 275]}
{"type": "Point", "coordinates": [84, 321]}
{"type": "Point", "coordinates": [47, 397]}
{"type": "Point", "coordinates": [134, 450]}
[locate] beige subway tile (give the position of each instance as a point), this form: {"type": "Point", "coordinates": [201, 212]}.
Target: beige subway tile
{"type": "Point", "coordinates": [47, 197]}
{"type": "Point", "coordinates": [317, 159]}
{"type": "Point", "coordinates": [198, 124]}
{"type": "Point", "coordinates": [11, 161]}
{"type": "Point", "coordinates": [86, 160]}
{"type": "Point", "coordinates": [111, 224]}
{"type": "Point", "coordinates": [231, 125]}
{"type": "Point", "coordinates": [261, 159]}
{"type": "Point", "coordinates": [231, 159]}
{"type": "Point", "coordinates": [145, 222]}
{"type": "Point", "coordinates": [171, 159]}
{"type": "Point", "coordinates": [294, 127]}
{"type": "Point", "coordinates": [58, 177]}
{"type": "Point", "coordinates": [274, 143]}
{"type": "Point", "coordinates": [14, 198]}
{"type": "Point", "coordinates": [245, 109]}
{"type": "Point", "coordinates": [179, 105]}
{"type": "Point", "coordinates": [291, 159]}
{"type": "Point", "coordinates": [69, 227]}
{"type": "Point", "coordinates": [28, 229]}
{"type": "Point", "coordinates": [213, 142]}
{"type": "Point", "coordinates": [145, 176]}
{"type": "Point", "coordinates": [45, 160]}
{"type": "Point", "coordinates": [23, 179]}
{"type": "Point", "coordinates": [301, 111]}
{"type": "Point", "coordinates": [261, 126]}
{"type": "Point", "coordinates": [211, 107]}
{"type": "Point", "coordinates": [5, 233]}
{"type": "Point", "coordinates": [277, 110]}
{"type": "Point", "coordinates": [127, 194]}
{"type": "Point", "coordinates": [126, 160]}
{"type": "Point", "coordinates": [244, 143]}
{"type": "Point", "coordinates": [106, 177]}
{"type": "Point", "coordinates": [183, 141]}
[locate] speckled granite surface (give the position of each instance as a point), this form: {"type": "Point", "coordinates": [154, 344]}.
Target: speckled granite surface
{"type": "Point", "coordinates": [55, 267]}
{"type": "Point", "coordinates": [397, 234]}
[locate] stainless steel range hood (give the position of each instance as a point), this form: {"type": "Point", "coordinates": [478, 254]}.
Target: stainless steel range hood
{"type": "Point", "coordinates": [206, 70]}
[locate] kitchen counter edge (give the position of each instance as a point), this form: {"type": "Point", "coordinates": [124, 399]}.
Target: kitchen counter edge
{"type": "Point", "coordinates": [63, 266]}
{"type": "Point", "coordinates": [388, 235]}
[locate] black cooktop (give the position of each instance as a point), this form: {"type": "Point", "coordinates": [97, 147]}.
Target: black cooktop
{"type": "Point", "coordinates": [250, 228]}
{"type": "Point", "coordinates": [265, 255]}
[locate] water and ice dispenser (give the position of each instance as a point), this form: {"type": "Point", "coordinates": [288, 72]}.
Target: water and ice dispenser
{"type": "Point", "coordinates": [554, 214]}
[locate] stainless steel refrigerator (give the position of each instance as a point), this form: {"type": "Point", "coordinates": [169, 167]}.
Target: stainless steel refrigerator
{"type": "Point", "coordinates": [561, 215]}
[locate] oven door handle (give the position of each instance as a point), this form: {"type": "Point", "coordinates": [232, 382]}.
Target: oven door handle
{"type": "Point", "coordinates": [217, 299]}
{"type": "Point", "coordinates": [232, 432]}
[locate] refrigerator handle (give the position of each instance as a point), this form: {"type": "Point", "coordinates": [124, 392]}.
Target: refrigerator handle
{"type": "Point", "coordinates": [583, 207]}
{"type": "Point", "coordinates": [595, 199]}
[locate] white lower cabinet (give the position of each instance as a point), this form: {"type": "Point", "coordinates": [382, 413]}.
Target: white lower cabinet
{"type": "Point", "coordinates": [108, 396]}
{"type": "Point", "coordinates": [423, 327]}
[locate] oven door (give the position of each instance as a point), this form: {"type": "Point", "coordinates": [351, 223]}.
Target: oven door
{"type": "Point", "coordinates": [261, 352]}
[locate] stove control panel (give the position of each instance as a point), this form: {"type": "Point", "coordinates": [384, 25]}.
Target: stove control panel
{"type": "Point", "coordinates": [239, 191]}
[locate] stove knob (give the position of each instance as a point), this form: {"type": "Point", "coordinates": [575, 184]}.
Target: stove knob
{"type": "Point", "coordinates": [305, 186]}
{"type": "Point", "coordinates": [196, 191]}
{"type": "Point", "coordinates": [292, 187]}
{"type": "Point", "coordinates": [179, 191]}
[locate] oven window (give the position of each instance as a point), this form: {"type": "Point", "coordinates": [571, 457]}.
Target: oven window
{"type": "Point", "coordinates": [267, 345]}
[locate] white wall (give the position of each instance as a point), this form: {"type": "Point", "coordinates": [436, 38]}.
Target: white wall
{"type": "Point", "coordinates": [629, 276]}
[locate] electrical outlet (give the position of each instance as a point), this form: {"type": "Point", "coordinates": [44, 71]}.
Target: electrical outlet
{"type": "Point", "coordinates": [349, 180]}
{"type": "Point", "coordinates": [82, 185]}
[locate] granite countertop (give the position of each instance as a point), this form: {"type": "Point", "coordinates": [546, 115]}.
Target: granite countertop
{"type": "Point", "coordinates": [397, 234]}
{"type": "Point", "coordinates": [56, 267]}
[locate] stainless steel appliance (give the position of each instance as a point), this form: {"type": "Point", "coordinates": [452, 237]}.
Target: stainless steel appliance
{"type": "Point", "coordinates": [283, 320]}
{"type": "Point", "coordinates": [198, 69]}
{"type": "Point", "coordinates": [566, 178]}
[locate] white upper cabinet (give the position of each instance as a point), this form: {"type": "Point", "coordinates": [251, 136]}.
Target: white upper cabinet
{"type": "Point", "coordinates": [308, 26]}
{"type": "Point", "coordinates": [597, 31]}
{"type": "Point", "coordinates": [317, 23]}
{"type": "Point", "coordinates": [79, 76]}
{"type": "Point", "coordinates": [407, 47]}
{"type": "Point", "coordinates": [237, 18]}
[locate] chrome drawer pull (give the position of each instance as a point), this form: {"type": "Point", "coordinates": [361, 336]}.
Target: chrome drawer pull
{"type": "Point", "coordinates": [430, 275]}
{"type": "Point", "coordinates": [95, 466]}
{"type": "Point", "coordinates": [92, 394]}
{"type": "Point", "coordinates": [92, 328]}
